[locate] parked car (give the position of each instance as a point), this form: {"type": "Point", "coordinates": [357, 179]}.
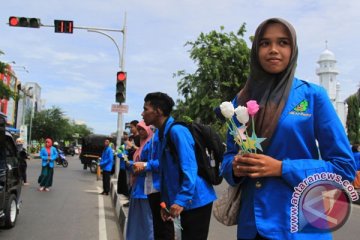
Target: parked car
{"type": "Point", "coordinates": [10, 182]}
{"type": "Point", "coordinates": [92, 147]}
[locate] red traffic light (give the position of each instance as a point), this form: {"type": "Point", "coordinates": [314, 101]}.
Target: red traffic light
{"type": "Point", "coordinates": [121, 76]}
{"type": "Point", "coordinates": [13, 21]}
{"type": "Point", "coordinates": [24, 22]}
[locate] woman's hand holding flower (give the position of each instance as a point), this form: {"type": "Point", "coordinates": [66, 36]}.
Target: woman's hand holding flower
{"type": "Point", "coordinates": [256, 165]}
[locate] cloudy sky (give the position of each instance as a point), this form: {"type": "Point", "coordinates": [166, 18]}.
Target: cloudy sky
{"type": "Point", "coordinates": [77, 72]}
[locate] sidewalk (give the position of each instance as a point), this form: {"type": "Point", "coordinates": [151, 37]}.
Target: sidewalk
{"type": "Point", "coordinates": [118, 202]}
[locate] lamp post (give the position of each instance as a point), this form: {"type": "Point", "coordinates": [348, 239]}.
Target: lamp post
{"type": "Point", "coordinates": [31, 115]}
{"type": "Point", "coordinates": [23, 68]}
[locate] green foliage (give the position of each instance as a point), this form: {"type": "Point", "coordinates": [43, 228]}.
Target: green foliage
{"type": "Point", "coordinates": [52, 123]}
{"type": "Point", "coordinates": [5, 91]}
{"type": "Point", "coordinates": [353, 118]}
{"type": "Point", "coordinates": [223, 62]}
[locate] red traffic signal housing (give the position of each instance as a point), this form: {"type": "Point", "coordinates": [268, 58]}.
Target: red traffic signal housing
{"type": "Point", "coordinates": [120, 87]}
{"type": "Point", "coordinates": [121, 76]}
{"type": "Point", "coordinates": [63, 26]}
{"type": "Point", "coordinates": [24, 22]}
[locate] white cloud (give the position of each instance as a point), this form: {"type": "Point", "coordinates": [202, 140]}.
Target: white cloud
{"type": "Point", "coordinates": [77, 71]}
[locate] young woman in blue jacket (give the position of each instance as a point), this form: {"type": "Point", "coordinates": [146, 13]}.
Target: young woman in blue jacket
{"type": "Point", "coordinates": [140, 223]}
{"type": "Point", "coordinates": [48, 155]}
{"type": "Point", "coordinates": [304, 136]}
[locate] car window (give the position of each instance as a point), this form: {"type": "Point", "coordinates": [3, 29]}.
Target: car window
{"type": "Point", "coordinates": [11, 154]}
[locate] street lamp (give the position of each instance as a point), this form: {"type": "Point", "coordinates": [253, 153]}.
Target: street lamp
{"type": "Point", "coordinates": [21, 67]}
{"type": "Point", "coordinates": [32, 114]}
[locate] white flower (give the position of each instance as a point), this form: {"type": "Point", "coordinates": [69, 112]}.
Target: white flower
{"type": "Point", "coordinates": [242, 114]}
{"type": "Point", "coordinates": [227, 109]}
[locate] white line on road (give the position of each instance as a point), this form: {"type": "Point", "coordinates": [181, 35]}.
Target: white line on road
{"type": "Point", "coordinates": [102, 222]}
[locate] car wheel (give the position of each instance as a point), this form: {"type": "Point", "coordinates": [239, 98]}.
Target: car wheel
{"type": "Point", "coordinates": [11, 211]}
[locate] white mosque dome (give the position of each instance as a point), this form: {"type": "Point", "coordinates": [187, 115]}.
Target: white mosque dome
{"type": "Point", "coordinates": [327, 55]}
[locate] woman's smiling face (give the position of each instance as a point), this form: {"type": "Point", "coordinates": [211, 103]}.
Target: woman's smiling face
{"type": "Point", "coordinates": [275, 48]}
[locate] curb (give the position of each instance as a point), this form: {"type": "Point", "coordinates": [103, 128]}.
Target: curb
{"type": "Point", "coordinates": [118, 202]}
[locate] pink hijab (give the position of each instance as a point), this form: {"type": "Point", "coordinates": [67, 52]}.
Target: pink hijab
{"type": "Point", "coordinates": [143, 141]}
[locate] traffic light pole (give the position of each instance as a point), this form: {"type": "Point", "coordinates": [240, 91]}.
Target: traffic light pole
{"type": "Point", "coordinates": [35, 23]}
{"type": "Point", "coordinates": [122, 67]}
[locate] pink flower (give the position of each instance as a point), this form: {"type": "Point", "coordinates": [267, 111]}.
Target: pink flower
{"type": "Point", "coordinates": [252, 107]}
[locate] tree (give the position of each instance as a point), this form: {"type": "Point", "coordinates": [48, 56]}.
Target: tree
{"type": "Point", "coordinates": [52, 123]}
{"type": "Point", "coordinates": [353, 118]}
{"type": "Point", "coordinates": [223, 63]}
{"type": "Point", "coordinates": [78, 131]}
{"type": "Point", "coordinates": [5, 91]}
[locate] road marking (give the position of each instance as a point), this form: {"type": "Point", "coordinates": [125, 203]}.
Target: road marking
{"type": "Point", "coordinates": [92, 191]}
{"type": "Point", "coordinates": [102, 222]}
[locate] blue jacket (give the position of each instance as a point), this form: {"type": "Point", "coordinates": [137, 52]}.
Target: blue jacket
{"type": "Point", "coordinates": [120, 154]}
{"type": "Point", "coordinates": [150, 156]}
{"type": "Point", "coordinates": [137, 189]}
{"type": "Point", "coordinates": [44, 156]}
{"type": "Point", "coordinates": [357, 160]}
{"type": "Point", "coordinates": [191, 191]}
{"type": "Point", "coordinates": [107, 159]}
{"type": "Point", "coordinates": [266, 202]}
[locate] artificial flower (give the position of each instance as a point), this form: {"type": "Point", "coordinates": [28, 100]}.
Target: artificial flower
{"type": "Point", "coordinates": [252, 107]}
{"type": "Point", "coordinates": [242, 114]}
{"type": "Point", "coordinates": [227, 109]}
{"type": "Point", "coordinates": [246, 143]}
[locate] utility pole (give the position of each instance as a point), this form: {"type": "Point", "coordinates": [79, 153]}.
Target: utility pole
{"type": "Point", "coordinates": [120, 129]}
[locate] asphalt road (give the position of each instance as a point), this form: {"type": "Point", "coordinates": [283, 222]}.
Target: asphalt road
{"type": "Point", "coordinates": [72, 210]}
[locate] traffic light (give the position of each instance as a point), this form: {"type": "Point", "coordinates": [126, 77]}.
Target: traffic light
{"type": "Point", "coordinates": [24, 22]}
{"type": "Point", "coordinates": [63, 26]}
{"type": "Point", "coordinates": [120, 87]}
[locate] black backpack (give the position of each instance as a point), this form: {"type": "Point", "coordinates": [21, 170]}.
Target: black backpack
{"type": "Point", "coordinates": [209, 150]}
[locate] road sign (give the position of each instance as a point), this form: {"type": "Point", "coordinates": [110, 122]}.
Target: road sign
{"type": "Point", "coordinates": [119, 108]}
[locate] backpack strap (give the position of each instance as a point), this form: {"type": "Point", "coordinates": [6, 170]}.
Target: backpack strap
{"type": "Point", "coordinates": [170, 143]}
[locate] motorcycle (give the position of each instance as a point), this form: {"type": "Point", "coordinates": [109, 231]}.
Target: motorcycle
{"type": "Point", "coordinates": [61, 160]}
{"type": "Point", "coordinates": [94, 165]}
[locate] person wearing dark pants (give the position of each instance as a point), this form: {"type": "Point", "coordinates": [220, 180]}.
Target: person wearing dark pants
{"type": "Point", "coordinates": [196, 229]}
{"type": "Point", "coordinates": [162, 230]}
{"type": "Point", "coordinates": [23, 156]}
{"type": "Point", "coordinates": [106, 163]}
{"type": "Point", "coordinates": [186, 194]}
{"type": "Point", "coordinates": [106, 182]}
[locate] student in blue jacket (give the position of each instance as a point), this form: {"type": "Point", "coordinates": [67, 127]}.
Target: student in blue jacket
{"type": "Point", "coordinates": [304, 136]}
{"type": "Point", "coordinates": [185, 193]}
{"type": "Point", "coordinates": [106, 164]}
{"type": "Point", "coordinates": [48, 155]}
{"type": "Point", "coordinates": [139, 209]}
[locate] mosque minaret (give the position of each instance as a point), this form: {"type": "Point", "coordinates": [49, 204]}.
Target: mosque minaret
{"type": "Point", "coordinates": [327, 73]}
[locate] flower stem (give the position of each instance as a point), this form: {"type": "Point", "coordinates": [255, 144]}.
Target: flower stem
{"type": "Point", "coordinates": [253, 127]}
